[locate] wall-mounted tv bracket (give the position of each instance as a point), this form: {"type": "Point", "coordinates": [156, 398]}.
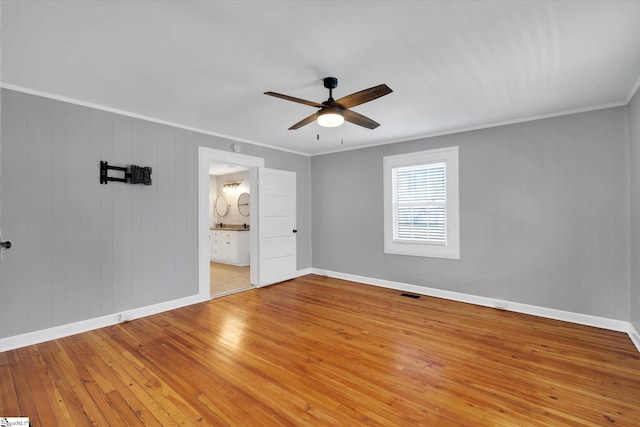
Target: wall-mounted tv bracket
{"type": "Point", "coordinates": [4, 245]}
{"type": "Point", "coordinates": [138, 174]}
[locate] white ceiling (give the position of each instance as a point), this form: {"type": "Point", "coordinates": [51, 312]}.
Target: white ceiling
{"type": "Point", "coordinates": [205, 64]}
{"type": "Point", "coordinates": [224, 169]}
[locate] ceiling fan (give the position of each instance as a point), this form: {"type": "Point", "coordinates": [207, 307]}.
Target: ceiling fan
{"type": "Point", "coordinates": [333, 112]}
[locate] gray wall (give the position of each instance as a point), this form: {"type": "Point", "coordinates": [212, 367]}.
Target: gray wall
{"type": "Point", "coordinates": [83, 250]}
{"type": "Point", "coordinates": [544, 212]}
{"type": "Point", "coordinates": [634, 138]}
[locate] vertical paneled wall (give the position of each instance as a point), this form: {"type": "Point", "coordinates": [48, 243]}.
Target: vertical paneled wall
{"type": "Point", "coordinates": [82, 249]}
{"type": "Point", "coordinates": [634, 138]}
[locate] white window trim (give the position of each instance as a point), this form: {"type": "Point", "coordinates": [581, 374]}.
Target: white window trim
{"type": "Point", "coordinates": [451, 249]}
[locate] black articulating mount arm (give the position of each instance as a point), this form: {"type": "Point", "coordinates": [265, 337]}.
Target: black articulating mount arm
{"type": "Point", "coordinates": [138, 174]}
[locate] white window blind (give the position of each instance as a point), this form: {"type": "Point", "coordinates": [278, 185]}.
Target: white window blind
{"type": "Point", "coordinates": [419, 203]}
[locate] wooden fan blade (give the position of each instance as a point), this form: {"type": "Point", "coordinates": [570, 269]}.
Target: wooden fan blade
{"type": "Point", "coordinates": [304, 121]}
{"type": "Point", "coordinates": [298, 100]}
{"type": "Point", "coordinates": [363, 96]}
{"type": "Point", "coordinates": [359, 119]}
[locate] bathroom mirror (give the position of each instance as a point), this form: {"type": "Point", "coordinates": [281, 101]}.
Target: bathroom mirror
{"type": "Point", "coordinates": [243, 204]}
{"type": "Point", "coordinates": [221, 205]}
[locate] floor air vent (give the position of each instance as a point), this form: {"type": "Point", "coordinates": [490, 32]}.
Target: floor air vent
{"type": "Point", "coordinates": [414, 296]}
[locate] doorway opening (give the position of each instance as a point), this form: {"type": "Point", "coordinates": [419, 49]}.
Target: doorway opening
{"type": "Point", "coordinates": [227, 222]}
{"type": "Point", "coordinates": [229, 229]}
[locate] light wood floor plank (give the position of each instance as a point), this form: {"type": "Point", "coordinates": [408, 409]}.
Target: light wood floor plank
{"type": "Point", "coordinates": [225, 278]}
{"type": "Point", "coordinates": [316, 351]}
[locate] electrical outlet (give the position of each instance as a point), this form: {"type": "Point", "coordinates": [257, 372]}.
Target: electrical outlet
{"type": "Point", "coordinates": [125, 317]}
{"type": "Point", "coordinates": [500, 304]}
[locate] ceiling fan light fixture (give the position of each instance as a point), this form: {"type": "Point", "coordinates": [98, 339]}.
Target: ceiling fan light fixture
{"type": "Point", "coordinates": [330, 117]}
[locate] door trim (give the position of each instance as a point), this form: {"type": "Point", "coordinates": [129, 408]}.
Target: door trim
{"type": "Point", "coordinates": [209, 155]}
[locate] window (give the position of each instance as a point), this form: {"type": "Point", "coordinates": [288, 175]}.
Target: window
{"type": "Point", "coordinates": [421, 216]}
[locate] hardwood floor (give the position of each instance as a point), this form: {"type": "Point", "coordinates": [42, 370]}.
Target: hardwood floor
{"type": "Point", "coordinates": [226, 278]}
{"type": "Point", "coordinates": [316, 351]}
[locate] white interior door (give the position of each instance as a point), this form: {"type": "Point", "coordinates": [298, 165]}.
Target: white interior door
{"type": "Point", "coordinates": [276, 226]}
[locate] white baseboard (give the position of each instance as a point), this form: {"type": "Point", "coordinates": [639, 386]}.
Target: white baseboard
{"type": "Point", "coordinates": [61, 331]}
{"type": "Point", "coordinates": [635, 337]}
{"type": "Point", "coordinates": [550, 313]}
{"type": "Point", "coordinates": [279, 277]}
{"type": "Point", "coordinates": [305, 271]}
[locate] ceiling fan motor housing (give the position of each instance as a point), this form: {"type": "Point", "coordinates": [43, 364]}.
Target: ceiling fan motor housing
{"type": "Point", "coordinates": [330, 82]}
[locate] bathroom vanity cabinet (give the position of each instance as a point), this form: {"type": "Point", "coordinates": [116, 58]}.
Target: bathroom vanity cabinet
{"type": "Point", "coordinates": [229, 246]}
